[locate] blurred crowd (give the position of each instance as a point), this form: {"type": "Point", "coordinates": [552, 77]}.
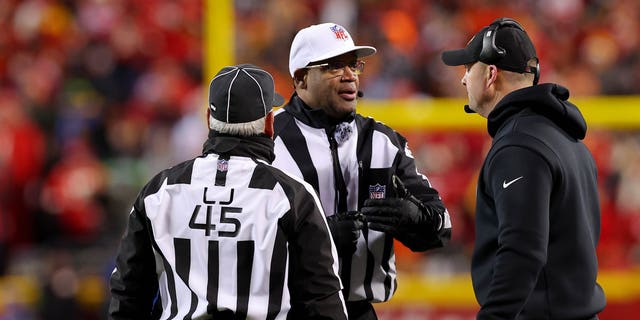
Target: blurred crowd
{"type": "Point", "coordinates": [96, 96]}
{"type": "Point", "coordinates": [592, 46]}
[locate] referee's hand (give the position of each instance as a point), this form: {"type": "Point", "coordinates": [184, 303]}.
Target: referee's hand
{"type": "Point", "coordinates": [345, 230]}
{"type": "Point", "coordinates": [394, 216]}
{"type": "Point", "coordinates": [401, 217]}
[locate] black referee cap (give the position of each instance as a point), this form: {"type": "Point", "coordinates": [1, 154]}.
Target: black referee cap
{"type": "Point", "coordinates": [242, 93]}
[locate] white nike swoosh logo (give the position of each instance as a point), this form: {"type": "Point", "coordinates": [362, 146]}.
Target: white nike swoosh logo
{"type": "Point", "coordinates": [506, 184]}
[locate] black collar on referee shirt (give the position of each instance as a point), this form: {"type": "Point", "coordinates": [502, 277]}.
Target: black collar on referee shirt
{"type": "Point", "coordinates": [255, 147]}
{"type": "Point", "coordinates": [315, 118]}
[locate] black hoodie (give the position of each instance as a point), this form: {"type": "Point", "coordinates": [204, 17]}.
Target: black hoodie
{"type": "Point", "coordinates": [537, 212]}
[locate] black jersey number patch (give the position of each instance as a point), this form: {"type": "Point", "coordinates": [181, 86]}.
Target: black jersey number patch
{"type": "Point", "coordinates": [208, 225]}
{"type": "Point", "coordinates": [224, 219]}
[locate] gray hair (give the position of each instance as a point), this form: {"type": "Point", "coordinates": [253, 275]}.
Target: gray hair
{"type": "Point", "coordinates": [245, 129]}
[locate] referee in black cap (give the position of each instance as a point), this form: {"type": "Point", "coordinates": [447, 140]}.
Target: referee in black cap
{"type": "Point", "coordinates": [537, 210]}
{"type": "Point", "coordinates": [226, 235]}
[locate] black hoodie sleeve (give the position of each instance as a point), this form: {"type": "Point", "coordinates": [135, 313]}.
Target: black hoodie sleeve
{"type": "Point", "coordinates": [521, 182]}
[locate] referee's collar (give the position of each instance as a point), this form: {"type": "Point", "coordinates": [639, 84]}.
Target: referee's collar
{"type": "Point", "coordinates": [315, 118]}
{"type": "Point", "coordinates": [255, 147]}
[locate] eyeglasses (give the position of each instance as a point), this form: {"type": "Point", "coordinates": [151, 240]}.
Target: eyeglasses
{"type": "Point", "coordinates": [334, 67]}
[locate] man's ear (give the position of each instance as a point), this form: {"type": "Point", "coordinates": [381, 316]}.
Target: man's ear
{"type": "Point", "coordinates": [268, 124]}
{"type": "Point", "coordinates": [300, 79]}
{"type": "Point", "coordinates": [492, 74]}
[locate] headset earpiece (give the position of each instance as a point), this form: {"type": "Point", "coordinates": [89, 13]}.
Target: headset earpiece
{"type": "Point", "coordinates": [536, 72]}
{"type": "Point", "coordinates": [490, 51]}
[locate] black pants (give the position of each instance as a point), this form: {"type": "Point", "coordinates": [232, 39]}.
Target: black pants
{"type": "Point", "coordinates": [361, 310]}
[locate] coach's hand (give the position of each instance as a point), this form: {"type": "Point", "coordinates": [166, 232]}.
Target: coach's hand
{"type": "Point", "coordinates": [345, 230]}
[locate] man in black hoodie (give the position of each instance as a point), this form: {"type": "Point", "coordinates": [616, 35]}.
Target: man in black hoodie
{"type": "Point", "coordinates": [537, 210]}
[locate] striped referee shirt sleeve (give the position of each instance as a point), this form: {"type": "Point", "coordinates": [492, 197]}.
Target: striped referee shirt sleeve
{"type": "Point", "coordinates": [422, 237]}
{"type": "Point", "coordinates": [314, 283]}
{"type": "Point", "coordinates": [133, 281]}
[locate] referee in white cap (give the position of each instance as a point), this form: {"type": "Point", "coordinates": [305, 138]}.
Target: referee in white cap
{"type": "Point", "coordinates": [226, 235]}
{"type": "Point", "coordinates": [363, 170]}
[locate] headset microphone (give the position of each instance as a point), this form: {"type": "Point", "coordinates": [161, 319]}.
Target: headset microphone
{"type": "Point", "coordinates": [467, 109]}
{"type": "Point", "coordinates": [360, 94]}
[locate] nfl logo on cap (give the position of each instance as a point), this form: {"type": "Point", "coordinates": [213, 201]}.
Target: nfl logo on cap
{"type": "Point", "coordinates": [339, 32]}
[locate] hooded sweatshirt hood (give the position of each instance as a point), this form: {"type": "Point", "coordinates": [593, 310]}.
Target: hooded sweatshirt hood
{"type": "Point", "coordinates": [548, 100]}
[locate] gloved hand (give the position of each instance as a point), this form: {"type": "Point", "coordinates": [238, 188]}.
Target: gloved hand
{"type": "Point", "coordinates": [402, 216]}
{"type": "Point", "coordinates": [345, 230]}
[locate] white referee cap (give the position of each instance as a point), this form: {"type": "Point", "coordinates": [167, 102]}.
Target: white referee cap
{"type": "Point", "coordinates": [320, 42]}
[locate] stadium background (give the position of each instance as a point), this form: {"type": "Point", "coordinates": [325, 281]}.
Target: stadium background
{"type": "Point", "coordinates": [96, 96]}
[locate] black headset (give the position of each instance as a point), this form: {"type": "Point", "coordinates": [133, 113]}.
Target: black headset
{"type": "Point", "coordinates": [491, 52]}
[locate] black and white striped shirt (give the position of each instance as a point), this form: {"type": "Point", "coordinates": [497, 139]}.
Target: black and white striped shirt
{"type": "Point", "coordinates": [312, 146]}
{"type": "Point", "coordinates": [227, 235]}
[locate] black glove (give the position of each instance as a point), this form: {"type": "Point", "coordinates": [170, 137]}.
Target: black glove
{"type": "Point", "coordinates": [345, 230]}
{"type": "Point", "coordinates": [400, 217]}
